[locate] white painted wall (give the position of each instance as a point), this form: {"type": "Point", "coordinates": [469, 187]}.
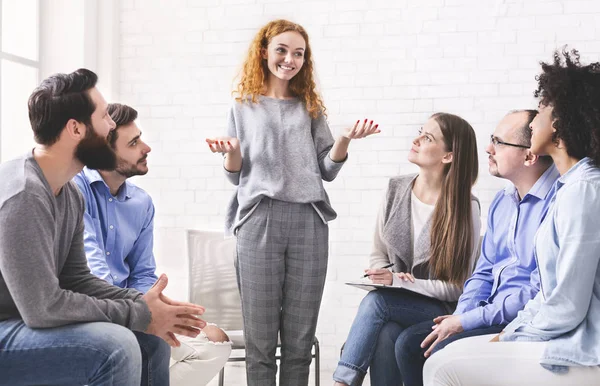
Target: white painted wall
{"type": "Point", "coordinates": [392, 61]}
{"type": "Point", "coordinates": [62, 43]}
{"type": "Point", "coordinates": [75, 34]}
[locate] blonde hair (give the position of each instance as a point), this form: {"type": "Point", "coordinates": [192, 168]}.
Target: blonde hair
{"type": "Point", "coordinates": [254, 70]}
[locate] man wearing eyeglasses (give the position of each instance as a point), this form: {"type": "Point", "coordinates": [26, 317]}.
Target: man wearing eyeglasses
{"type": "Point", "coordinates": [505, 277]}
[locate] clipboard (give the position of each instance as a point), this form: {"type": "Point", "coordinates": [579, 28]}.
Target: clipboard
{"type": "Point", "coordinates": [365, 285]}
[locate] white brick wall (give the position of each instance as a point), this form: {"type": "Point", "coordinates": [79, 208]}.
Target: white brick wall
{"type": "Point", "coordinates": [394, 62]}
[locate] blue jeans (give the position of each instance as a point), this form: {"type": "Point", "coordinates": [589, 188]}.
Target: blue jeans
{"type": "Point", "coordinates": [79, 354]}
{"type": "Point", "coordinates": [382, 315]}
{"type": "Point", "coordinates": [156, 354]}
{"type": "Point", "coordinates": [409, 354]}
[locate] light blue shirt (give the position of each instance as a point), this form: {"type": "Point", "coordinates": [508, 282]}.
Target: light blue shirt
{"type": "Point", "coordinates": [505, 278]}
{"type": "Point", "coordinates": [566, 311]}
{"type": "Point", "coordinates": [118, 235]}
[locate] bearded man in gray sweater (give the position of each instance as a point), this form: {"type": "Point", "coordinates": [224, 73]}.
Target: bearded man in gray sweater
{"type": "Point", "coordinates": [59, 324]}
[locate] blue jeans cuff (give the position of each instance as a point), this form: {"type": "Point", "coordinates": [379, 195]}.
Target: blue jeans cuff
{"type": "Point", "coordinates": [349, 374]}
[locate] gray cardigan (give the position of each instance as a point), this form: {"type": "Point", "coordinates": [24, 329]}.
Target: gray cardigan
{"type": "Point", "coordinates": [393, 241]}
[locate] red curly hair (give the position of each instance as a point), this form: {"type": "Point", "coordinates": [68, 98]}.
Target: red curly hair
{"type": "Point", "coordinates": [254, 71]}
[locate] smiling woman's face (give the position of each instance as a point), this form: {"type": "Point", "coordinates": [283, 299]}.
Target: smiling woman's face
{"type": "Point", "coordinates": [285, 55]}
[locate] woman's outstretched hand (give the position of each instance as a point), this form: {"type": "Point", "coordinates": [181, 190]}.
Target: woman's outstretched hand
{"type": "Point", "coordinates": [223, 144]}
{"type": "Point", "coordinates": [230, 148]}
{"type": "Point", "coordinates": [339, 152]}
{"type": "Point", "coordinates": [361, 130]}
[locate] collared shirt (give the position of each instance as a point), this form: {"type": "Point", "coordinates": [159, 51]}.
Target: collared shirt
{"type": "Point", "coordinates": [118, 232]}
{"type": "Point", "coordinates": [566, 311]}
{"type": "Point", "coordinates": [505, 277]}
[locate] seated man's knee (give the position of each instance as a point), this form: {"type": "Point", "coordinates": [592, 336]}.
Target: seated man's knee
{"type": "Point", "coordinates": [215, 334]}
{"type": "Point", "coordinates": [199, 359]}
{"type": "Point", "coordinates": [441, 345]}
{"type": "Point", "coordinates": [153, 347]}
{"type": "Point", "coordinates": [102, 351]}
{"type": "Point", "coordinates": [117, 344]}
{"type": "Point", "coordinates": [441, 369]}
{"type": "Point", "coordinates": [162, 348]}
{"type": "Point", "coordinates": [211, 343]}
{"type": "Point", "coordinates": [409, 341]}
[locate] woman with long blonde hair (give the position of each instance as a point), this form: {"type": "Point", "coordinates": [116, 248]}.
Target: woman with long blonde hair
{"type": "Point", "coordinates": [428, 230]}
{"type": "Point", "coordinates": [277, 151]}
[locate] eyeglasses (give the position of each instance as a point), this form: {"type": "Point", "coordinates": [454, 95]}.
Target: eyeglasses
{"type": "Point", "coordinates": [495, 142]}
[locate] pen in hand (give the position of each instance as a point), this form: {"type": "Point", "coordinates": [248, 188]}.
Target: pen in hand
{"type": "Point", "coordinates": [385, 266]}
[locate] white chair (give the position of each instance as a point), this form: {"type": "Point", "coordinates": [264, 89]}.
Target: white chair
{"type": "Point", "coordinates": [213, 284]}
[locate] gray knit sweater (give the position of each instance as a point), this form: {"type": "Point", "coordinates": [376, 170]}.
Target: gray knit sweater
{"type": "Point", "coordinates": [44, 276]}
{"type": "Point", "coordinates": [285, 157]}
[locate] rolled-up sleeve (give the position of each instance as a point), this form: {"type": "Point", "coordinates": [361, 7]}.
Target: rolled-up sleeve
{"type": "Point", "coordinates": [324, 141]}
{"type": "Point", "coordinates": [233, 177]}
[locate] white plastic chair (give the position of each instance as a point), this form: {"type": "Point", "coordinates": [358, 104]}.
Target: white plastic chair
{"type": "Point", "coordinates": [213, 285]}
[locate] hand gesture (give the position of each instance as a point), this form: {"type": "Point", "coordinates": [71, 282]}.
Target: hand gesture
{"type": "Point", "coordinates": [223, 144]}
{"type": "Point", "coordinates": [361, 130]}
{"type": "Point", "coordinates": [169, 317]}
{"type": "Point", "coordinates": [445, 326]}
{"type": "Point", "coordinates": [380, 276]}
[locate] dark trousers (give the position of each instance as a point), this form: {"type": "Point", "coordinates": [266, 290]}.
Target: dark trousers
{"type": "Point", "coordinates": [409, 354]}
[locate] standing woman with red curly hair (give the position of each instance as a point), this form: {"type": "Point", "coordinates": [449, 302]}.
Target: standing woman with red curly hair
{"type": "Point", "coordinates": [278, 149]}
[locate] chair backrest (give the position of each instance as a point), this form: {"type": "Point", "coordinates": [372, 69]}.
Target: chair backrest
{"type": "Point", "coordinates": [212, 281]}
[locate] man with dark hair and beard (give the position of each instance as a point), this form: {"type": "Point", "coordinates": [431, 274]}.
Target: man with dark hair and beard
{"type": "Point", "coordinates": [118, 240]}
{"type": "Point", "coordinates": [119, 216]}
{"type": "Point", "coordinates": [59, 324]}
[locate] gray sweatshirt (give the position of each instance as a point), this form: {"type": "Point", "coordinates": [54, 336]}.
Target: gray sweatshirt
{"type": "Point", "coordinates": [285, 157]}
{"type": "Point", "coordinates": [44, 276]}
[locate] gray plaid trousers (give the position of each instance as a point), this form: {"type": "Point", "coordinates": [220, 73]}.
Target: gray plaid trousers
{"type": "Point", "coordinates": [281, 264]}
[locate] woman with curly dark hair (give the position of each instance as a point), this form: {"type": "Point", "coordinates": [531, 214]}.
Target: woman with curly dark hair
{"type": "Point", "coordinates": [560, 328]}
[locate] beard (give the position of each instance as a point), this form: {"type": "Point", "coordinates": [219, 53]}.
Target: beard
{"type": "Point", "coordinates": [493, 168]}
{"type": "Point", "coordinates": [128, 170]}
{"type": "Point", "coordinates": [95, 152]}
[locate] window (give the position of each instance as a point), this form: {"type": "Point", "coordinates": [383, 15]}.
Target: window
{"type": "Point", "coordinates": [19, 73]}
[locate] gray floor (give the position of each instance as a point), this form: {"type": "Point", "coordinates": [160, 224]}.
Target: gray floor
{"type": "Point", "coordinates": [235, 375]}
